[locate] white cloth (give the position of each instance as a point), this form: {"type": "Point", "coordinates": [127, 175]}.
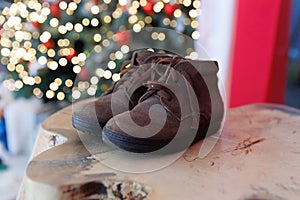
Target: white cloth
{"type": "Point", "coordinates": [216, 24]}
{"type": "Point", "coordinates": [5, 96]}
{"type": "Point", "coordinates": [21, 124]}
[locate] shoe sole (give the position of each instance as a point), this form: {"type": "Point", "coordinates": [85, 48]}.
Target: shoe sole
{"type": "Point", "coordinates": [131, 144]}
{"type": "Point", "coordinates": [144, 145]}
{"type": "Point", "coordinates": [86, 125]}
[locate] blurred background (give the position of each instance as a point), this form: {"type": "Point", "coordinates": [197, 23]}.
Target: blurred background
{"type": "Point", "coordinates": [54, 52]}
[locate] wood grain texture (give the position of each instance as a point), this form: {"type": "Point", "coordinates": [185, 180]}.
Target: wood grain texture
{"type": "Point", "coordinates": [256, 157]}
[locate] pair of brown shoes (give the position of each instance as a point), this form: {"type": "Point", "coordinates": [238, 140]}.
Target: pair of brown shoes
{"type": "Point", "coordinates": [162, 101]}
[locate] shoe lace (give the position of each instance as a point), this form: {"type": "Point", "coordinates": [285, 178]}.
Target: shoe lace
{"type": "Point", "coordinates": [160, 88]}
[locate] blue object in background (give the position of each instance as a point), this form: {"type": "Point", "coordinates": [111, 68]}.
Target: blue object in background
{"type": "Point", "coordinates": [294, 52]}
{"type": "Point", "coordinates": [3, 138]}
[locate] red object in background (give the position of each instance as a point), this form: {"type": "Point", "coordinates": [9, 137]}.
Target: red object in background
{"type": "Point", "coordinates": [122, 37]}
{"type": "Point", "coordinates": [55, 10]}
{"type": "Point", "coordinates": [84, 74]}
{"type": "Point", "coordinates": [148, 8]}
{"type": "Point", "coordinates": [96, 2]}
{"type": "Point", "coordinates": [260, 52]}
{"type": "Point", "coordinates": [36, 24]}
{"type": "Point", "coordinates": [170, 8]}
{"type": "Point", "coordinates": [72, 55]}
{"type": "Point", "coordinates": [49, 44]}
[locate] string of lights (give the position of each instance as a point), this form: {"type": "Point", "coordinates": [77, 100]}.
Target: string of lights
{"type": "Point", "coordinates": [46, 44]}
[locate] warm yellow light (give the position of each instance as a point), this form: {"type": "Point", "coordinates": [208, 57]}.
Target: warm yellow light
{"type": "Point", "coordinates": [85, 21]}
{"type": "Point", "coordinates": [148, 19]}
{"type": "Point", "coordinates": [22, 74]}
{"type": "Point", "coordinates": [76, 69]}
{"type": "Point", "coordinates": [63, 5]}
{"type": "Point", "coordinates": [116, 77]}
{"type": "Point", "coordinates": [58, 81]}
{"type": "Point", "coordinates": [196, 35]}
{"type": "Point", "coordinates": [117, 13]}
{"type": "Point", "coordinates": [5, 52]}
{"type": "Point", "coordinates": [97, 37]}
{"type": "Point", "coordinates": [132, 11]}
{"type": "Point", "coordinates": [107, 74]}
{"type": "Point", "coordinates": [194, 24]}
{"type": "Point", "coordinates": [66, 42]}
{"type": "Point", "coordinates": [81, 57]}
{"type": "Point", "coordinates": [37, 6]}
{"type": "Point", "coordinates": [95, 10]}
{"type": "Point", "coordinates": [11, 67]}
{"type": "Point", "coordinates": [19, 53]}
{"type": "Point", "coordinates": [137, 28]}
{"type": "Point", "coordinates": [135, 4]}
{"type": "Point", "coordinates": [53, 65]}
{"type": "Point", "coordinates": [161, 36]}
{"type": "Point", "coordinates": [19, 68]}
{"type": "Point", "coordinates": [91, 91]}
{"type": "Point", "coordinates": [33, 17]}
{"type": "Point", "coordinates": [111, 65]}
{"type": "Point", "coordinates": [100, 72]}
{"type": "Point", "coordinates": [141, 23]}
{"type": "Point", "coordinates": [69, 11]}
{"type": "Point", "coordinates": [78, 28]}
{"type": "Point", "coordinates": [106, 43]}
{"type": "Point", "coordinates": [60, 96]}
{"type": "Point", "coordinates": [94, 80]}
{"type": "Point", "coordinates": [72, 6]}
{"type": "Point", "coordinates": [19, 84]}
{"type": "Point", "coordinates": [177, 13]}
{"type": "Point", "coordinates": [27, 44]}
{"type": "Point", "coordinates": [45, 36]}
{"type": "Point", "coordinates": [143, 2]}
{"type": "Point", "coordinates": [63, 61]}
{"type": "Point", "coordinates": [154, 35]}
{"type": "Point", "coordinates": [37, 79]}
{"type": "Point", "coordinates": [30, 80]}
{"type": "Point", "coordinates": [19, 35]}
{"type": "Point", "coordinates": [119, 55]}
{"type": "Point", "coordinates": [75, 60]}
{"type": "Point", "coordinates": [173, 23]}
{"type": "Point", "coordinates": [76, 94]}
{"type": "Point", "coordinates": [45, 11]}
{"type": "Point", "coordinates": [125, 49]}
{"type": "Point", "coordinates": [50, 94]}
{"type": "Point", "coordinates": [98, 48]}
{"type": "Point", "coordinates": [196, 4]}
{"type": "Point", "coordinates": [37, 92]}
{"type": "Point", "coordinates": [166, 21]}
{"type": "Point", "coordinates": [53, 86]}
{"type": "Point", "coordinates": [132, 19]}
{"type": "Point", "coordinates": [69, 83]}
{"type": "Point", "coordinates": [193, 13]}
{"type": "Point", "coordinates": [107, 19]}
{"type": "Point", "coordinates": [62, 29]}
{"type": "Point", "coordinates": [158, 7]}
{"type": "Point", "coordinates": [51, 53]}
{"type": "Point", "coordinates": [187, 3]}
{"type": "Point", "coordinates": [69, 26]}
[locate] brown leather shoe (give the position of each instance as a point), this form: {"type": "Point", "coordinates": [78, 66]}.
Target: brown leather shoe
{"type": "Point", "coordinates": [91, 115]}
{"type": "Point", "coordinates": [179, 108]}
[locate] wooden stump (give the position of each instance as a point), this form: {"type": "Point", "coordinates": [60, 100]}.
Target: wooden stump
{"type": "Point", "coordinates": [256, 157]}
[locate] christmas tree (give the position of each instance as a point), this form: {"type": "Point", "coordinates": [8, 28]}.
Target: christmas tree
{"type": "Point", "coordinates": [57, 50]}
